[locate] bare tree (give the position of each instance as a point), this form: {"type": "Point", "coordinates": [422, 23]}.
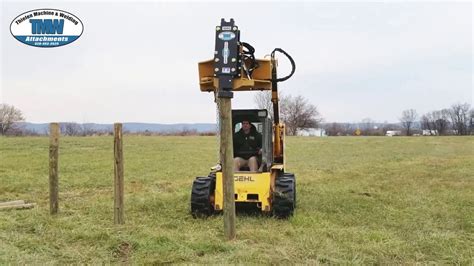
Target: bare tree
{"type": "Point", "coordinates": [408, 119]}
{"type": "Point", "coordinates": [460, 118]}
{"type": "Point", "coordinates": [9, 118]}
{"type": "Point", "coordinates": [437, 121]}
{"type": "Point", "coordinates": [427, 122]}
{"type": "Point", "coordinates": [298, 113]}
{"type": "Point", "coordinates": [70, 129]}
{"type": "Point", "coordinates": [471, 121]}
{"type": "Point", "coordinates": [442, 121]}
{"type": "Point", "coordinates": [263, 100]}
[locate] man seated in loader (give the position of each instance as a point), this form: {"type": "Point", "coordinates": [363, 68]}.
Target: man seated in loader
{"type": "Point", "coordinates": [247, 147]}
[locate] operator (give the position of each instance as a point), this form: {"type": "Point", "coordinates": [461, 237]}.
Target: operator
{"type": "Point", "coordinates": [247, 145]}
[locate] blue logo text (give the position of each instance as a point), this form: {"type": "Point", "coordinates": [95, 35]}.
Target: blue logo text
{"type": "Point", "coordinates": [47, 26]}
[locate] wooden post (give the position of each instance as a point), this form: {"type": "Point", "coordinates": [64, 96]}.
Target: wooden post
{"type": "Point", "coordinates": [53, 167]}
{"type": "Point", "coordinates": [118, 180]}
{"type": "Point", "coordinates": [18, 206]}
{"type": "Point", "coordinates": [227, 159]}
{"type": "Point", "coordinates": [14, 202]}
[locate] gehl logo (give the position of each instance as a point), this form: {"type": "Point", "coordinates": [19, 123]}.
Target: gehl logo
{"type": "Point", "coordinates": [242, 178]}
{"type": "Point", "coordinates": [47, 26]}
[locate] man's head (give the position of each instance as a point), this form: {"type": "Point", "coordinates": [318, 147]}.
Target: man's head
{"type": "Point", "coordinates": [246, 126]}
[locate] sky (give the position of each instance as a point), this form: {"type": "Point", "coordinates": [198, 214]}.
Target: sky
{"type": "Point", "coordinates": [137, 61]}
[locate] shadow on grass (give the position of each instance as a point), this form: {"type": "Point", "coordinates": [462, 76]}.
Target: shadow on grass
{"type": "Point", "coordinates": [245, 209]}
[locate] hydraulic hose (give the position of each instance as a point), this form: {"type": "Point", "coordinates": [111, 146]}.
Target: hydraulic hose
{"type": "Point", "coordinates": [293, 65]}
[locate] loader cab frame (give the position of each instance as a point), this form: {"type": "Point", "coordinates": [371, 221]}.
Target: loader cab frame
{"type": "Point", "coordinates": [261, 121]}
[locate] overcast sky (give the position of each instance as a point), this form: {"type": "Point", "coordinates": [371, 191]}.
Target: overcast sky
{"type": "Point", "coordinates": [137, 62]}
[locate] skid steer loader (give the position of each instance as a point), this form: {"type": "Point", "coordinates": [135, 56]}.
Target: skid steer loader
{"type": "Point", "coordinates": [270, 188]}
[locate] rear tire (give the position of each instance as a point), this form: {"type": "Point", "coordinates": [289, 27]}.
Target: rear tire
{"type": "Point", "coordinates": [284, 196]}
{"type": "Point", "coordinates": [202, 191]}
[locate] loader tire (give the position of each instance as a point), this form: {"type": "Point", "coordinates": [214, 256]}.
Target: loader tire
{"type": "Point", "coordinates": [284, 196]}
{"type": "Point", "coordinates": [202, 191]}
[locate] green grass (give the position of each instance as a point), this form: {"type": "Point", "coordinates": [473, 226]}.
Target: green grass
{"type": "Point", "coordinates": [360, 200]}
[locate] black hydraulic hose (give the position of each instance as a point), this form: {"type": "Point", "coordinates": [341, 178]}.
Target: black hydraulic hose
{"type": "Point", "coordinates": [293, 65]}
{"type": "Point", "coordinates": [249, 54]}
{"type": "Point", "coordinates": [275, 80]}
{"type": "Point", "coordinates": [250, 49]}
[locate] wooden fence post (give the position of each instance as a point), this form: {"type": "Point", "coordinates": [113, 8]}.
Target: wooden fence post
{"type": "Point", "coordinates": [227, 158]}
{"type": "Point", "coordinates": [53, 167]}
{"type": "Point", "coordinates": [118, 173]}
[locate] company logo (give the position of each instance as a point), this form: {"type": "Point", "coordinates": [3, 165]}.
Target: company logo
{"type": "Point", "coordinates": [241, 178]}
{"type": "Point", "coordinates": [46, 28]}
{"type": "Point", "coordinates": [226, 35]}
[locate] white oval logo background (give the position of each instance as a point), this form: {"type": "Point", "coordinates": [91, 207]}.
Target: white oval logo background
{"type": "Point", "coordinates": [226, 35]}
{"type": "Point", "coordinates": [46, 27]}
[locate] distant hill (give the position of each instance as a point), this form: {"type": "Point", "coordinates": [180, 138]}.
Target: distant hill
{"type": "Point", "coordinates": [42, 128]}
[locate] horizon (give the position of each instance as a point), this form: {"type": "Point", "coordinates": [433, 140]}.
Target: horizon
{"type": "Point", "coordinates": [178, 123]}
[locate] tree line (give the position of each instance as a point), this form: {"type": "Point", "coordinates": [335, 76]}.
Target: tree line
{"type": "Point", "coordinates": [455, 120]}
{"type": "Point", "coordinates": [11, 119]}
{"type": "Point", "coordinates": [298, 114]}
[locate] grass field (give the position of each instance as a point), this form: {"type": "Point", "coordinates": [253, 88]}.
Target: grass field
{"type": "Point", "coordinates": [360, 200]}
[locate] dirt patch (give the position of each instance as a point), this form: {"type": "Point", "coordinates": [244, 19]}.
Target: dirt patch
{"type": "Point", "coordinates": [123, 251]}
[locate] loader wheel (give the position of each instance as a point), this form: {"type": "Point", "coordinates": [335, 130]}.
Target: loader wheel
{"type": "Point", "coordinates": [284, 196]}
{"type": "Point", "coordinates": [294, 189]}
{"type": "Point", "coordinates": [202, 191]}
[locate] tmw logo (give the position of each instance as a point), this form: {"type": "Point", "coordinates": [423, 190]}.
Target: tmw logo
{"type": "Point", "coordinates": [46, 28]}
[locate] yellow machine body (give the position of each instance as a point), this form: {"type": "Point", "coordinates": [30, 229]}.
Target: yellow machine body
{"type": "Point", "coordinates": [260, 78]}
{"type": "Point", "coordinates": [249, 187]}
